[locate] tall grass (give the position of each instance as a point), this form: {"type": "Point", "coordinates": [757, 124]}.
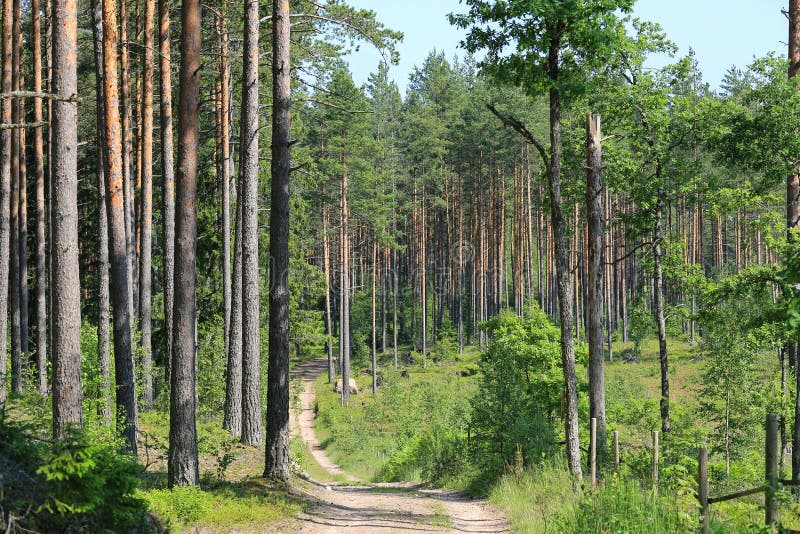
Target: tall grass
{"type": "Point", "coordinates": [542, 500]}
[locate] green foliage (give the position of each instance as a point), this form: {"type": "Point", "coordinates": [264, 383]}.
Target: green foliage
{"type": "Point", "coordinates": [85, 478]}
{"type": "Point", "coordinates": [518, 35]}
{"type": "Point", "coordinates": [416, 427]}
{"type": "Point", "coordinates": [640, 325]}
{"type": "Point", "coordinates": [520, 387]}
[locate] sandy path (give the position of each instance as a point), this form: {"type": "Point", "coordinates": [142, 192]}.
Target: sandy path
{"type": "Point", "coordinates": [380, 508]}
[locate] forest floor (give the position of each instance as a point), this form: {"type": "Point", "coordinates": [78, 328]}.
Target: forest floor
{"type": "Point", "coordinates": [340, 500]}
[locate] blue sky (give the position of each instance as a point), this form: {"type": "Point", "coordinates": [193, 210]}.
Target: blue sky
{"type": "Point", "coordinates": [721, 32]}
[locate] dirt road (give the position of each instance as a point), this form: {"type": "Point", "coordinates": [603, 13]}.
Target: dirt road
{"type": "Point", "coordinates": [379, 508]}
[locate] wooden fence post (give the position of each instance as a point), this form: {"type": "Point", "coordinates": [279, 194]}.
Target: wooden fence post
{"type": "Point", "coordinates": [702, 490]}
{"type": "Point", "coordinates": [655, 461]}
{"type": "Point", "coordinates": [771, 469]}
{"type": "Point", "coordinates": [616, 451]}
{"type": "Point", "coordinates": [593, 451]}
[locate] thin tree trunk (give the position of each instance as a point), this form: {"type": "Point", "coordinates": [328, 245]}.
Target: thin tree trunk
{"type": "Point", "coordinates": [183, 468]}
{"type": "Point", "coordinates": [5, 195]}
{"type": "Point", "coordinates": [232, 421]}
{"type": "Point", "coordinates": [120, 273]}
{"type": "Point", "coordinates": [374, 331]}
{"type": "Point", "coordinates": [103, 293]}
{"type": "Point", "coordinates": [594, 286]}
{"type": "Point", "coordinates": [344, 320]}
{"type": "Point", "coordinates": [658, 298]}
{"type": "Point", "coordinates": [395, 284]}
{"type": "Point", "coordinates": [248, 170]}
{"type": "Point", "coordinates": [38, 166]}
{"type": "Point", "coordinates": [14, 299]}
{"type": "Point", "coordinates": [168, 180]}
{"type": "Point", "coordinates": [563, 274]}
{"type": "Point", "coordinates": [224, 171]}
{"type": "Point", "coordinates": [793, 218]}
{"type": "Point", "coordinates": [326, 267]}
{"type": "Point", "coordinates": [145, 266]}
{"type": "Point", "coordinates": [127, 129]}
{"type": "Point", "coordinates": [277, 464]}
{"type": "Point", "coordinates": [67, 393]}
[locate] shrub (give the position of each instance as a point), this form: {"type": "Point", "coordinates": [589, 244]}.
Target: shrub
{"type": "Point", "coordinates": [520, 390]}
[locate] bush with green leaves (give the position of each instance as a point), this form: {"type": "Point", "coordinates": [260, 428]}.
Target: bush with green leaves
{"type": "Point", "coordinates": [520, 389]}
{"type": "Point", "coordinates": [82, 482]}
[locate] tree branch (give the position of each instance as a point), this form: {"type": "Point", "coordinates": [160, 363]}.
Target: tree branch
{"type": "Point", "coordinates": [23, 125]}
{"type": "Point", "coordinates": [521, 129]}
{"type": "Point", "coordinates": [34, 94]}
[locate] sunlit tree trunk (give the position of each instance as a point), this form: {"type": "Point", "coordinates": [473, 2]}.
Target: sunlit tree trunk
{"type": "Point", "coordinates": [145, 266]}
{"type": "Point", "coordinates": [168, 179]}
{"type": "Point", "coordinates": [183, 468]}
{"type": "Point", "coordinates": [5, 194]}
{"type": "Point", "coordinates": [277, 464]}
{"type": "Point", "coordinates": [67, 393]}
{"type": "Point", "coordinates": [115, 205]}
{"type": "Point", "coordinates": [38, 169]}
{"type": "Point", "coordinates": [248, 197]}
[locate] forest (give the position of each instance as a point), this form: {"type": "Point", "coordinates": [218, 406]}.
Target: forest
{"type": "Point", "coordinates": [550, 285]}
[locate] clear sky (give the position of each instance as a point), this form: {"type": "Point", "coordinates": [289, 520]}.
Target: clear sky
{"type": "Point", "coordinates": [721, 32]}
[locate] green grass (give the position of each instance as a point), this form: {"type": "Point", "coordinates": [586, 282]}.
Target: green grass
{"type": "Point", "coordinates": [378, 438]}
{"type": "Point", "coordinates": [250, 504]}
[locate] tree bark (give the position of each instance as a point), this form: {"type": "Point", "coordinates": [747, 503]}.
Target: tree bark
{"type": "Point", "coordinates": [344, 292]}
{"type": "Point", "coordinates": [374, 340]}
{"type": "Point", "coordinates": [224, 169]}
{"type": "Point", "coordinates": [251, 295]}
{"type": "Point", "coordinates": [67, 393]}
{"type": "Point", "coordinates": [563, 278]}
{"type": "Point", "coordinates": [103, 291]}
{"type": "Point", "coordinates": [326, 267]}
{"type": "Point", "coordinates": [5, 195]}
{"type": "Point", "coordinates": [658, 302]}
{"type": "Point", "coordinates": [127, 142]}
{"type": "Point", "coordinates": [38, 169]}
{"type": "Point", "coordinates": [277, 464]}
{"type": "Point", "coordinates": [145, 265]}
{"type": "Point", "coordinates": [232, 420]}
{"type": "Point", "coordinates": [168, 179]}
{"type": "Point", "coordinates": [15, 297]}
{"type": "Point", "coordinates": [183, 468]}
{"type": "Point", "coordinates": [596, 268]}
{"type": "Point", "coordinates": [793, 218]}
{"type": "Point", "coordinates": [115, 205]}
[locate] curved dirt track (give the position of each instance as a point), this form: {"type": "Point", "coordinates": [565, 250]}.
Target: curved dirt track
{"type": "Point", "coordinates": [379, 508]}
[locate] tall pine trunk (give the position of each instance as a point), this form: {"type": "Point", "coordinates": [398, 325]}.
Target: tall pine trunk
{"type": "Point", "coordinates": [183, 467]}
{"type": "Point", "coordinates": [326, 267]}
{"type": "Point", "coordinates": [120, 288]}
{"type": "Point", "coordinates": [14, 298]}
{"type": "Point", "coordinates": [277, 464]}
{"type": "Point", "coordinates": [38, 169]}
{"type": "Point", "coordinates": [224, 170]}
{"type": "Point", "coordinates": [168, 179]}
{"type": "Point", "coordinates": [232, 419]}
{"type": "Point", "coordinates": [67, 393]}
{"type": "Point", "coordinates": [104, 290]}
{"type": "Point", "coordinates": [127, 142]}
{"type": "Point", "coordinates": [248, 198]}
{"type": "Point", "coordinates": [5, 195]}
{"type": "Point", "coordinates": [145, 266]}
